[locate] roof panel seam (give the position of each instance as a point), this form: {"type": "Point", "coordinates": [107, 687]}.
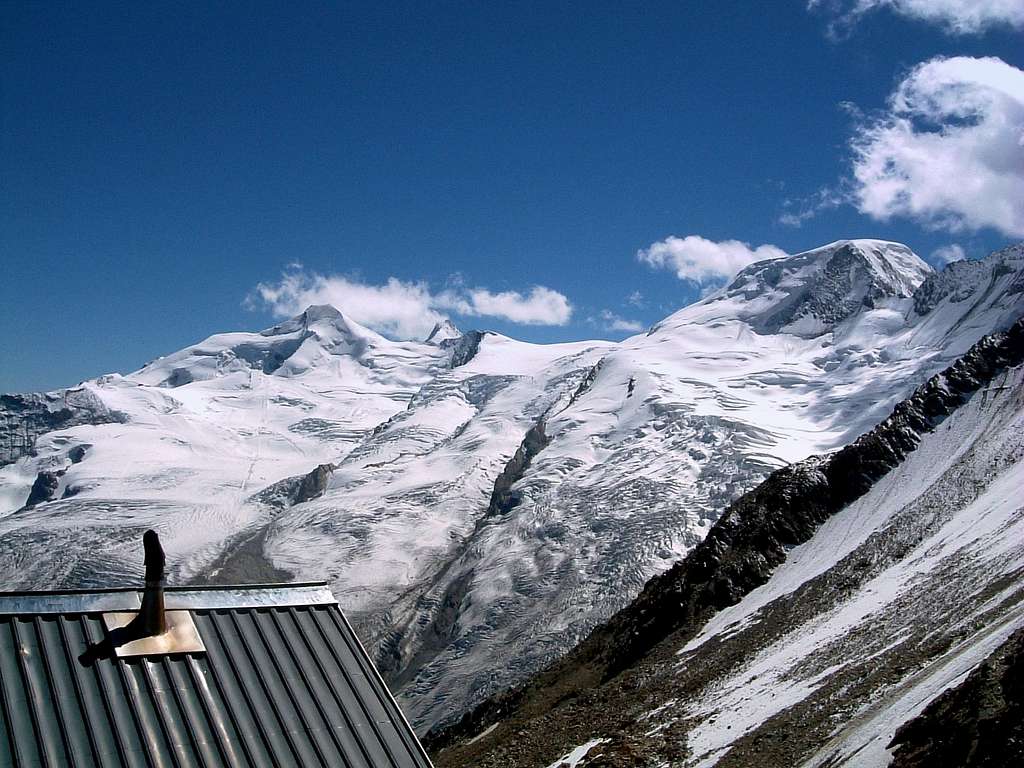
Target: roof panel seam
{"type": "Point", "coordinates": [217, 729]}
{"type": "Point", "coordinates": [12, 736]}
{"type": "Point", "coordinates": [285, 731]}
{"type": "Point", "coordinates": [76, 681]}
{"type": "Point", "coordinates": [101, 686]}
{"type": "Point", "coordinates": [362, 704]}
{"type": "Point", "coordinates": [383, 692]}
{"type": "Point", "coordinates": [54, 693]}
{"type": "Point", "coordinates": [288, 692]}
{"type": "Point", "coordinates": [264, 736]}
{"type": "Point", "coordinates": [342, 707]}
{"type": "Point", "coordinates": [133, 704]}
{"type": "Point", "coordinates": [309, 686]}
{"type": "Point", "coordinates": [32, 697]}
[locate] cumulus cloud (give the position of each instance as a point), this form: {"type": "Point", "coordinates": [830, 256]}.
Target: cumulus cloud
{"type": "Point", "coordinates": [541, 306]}
{"type": "Point", "coordinates": [955, 16]}
{"type": "Point", "coordinates": [613, 322]}
{"type": "Point", "coordinates": [396, 308]}
{"type": "Point", "coordinates": [704, 261]}
{"type": "Point", "coordinates": [949, 150]}
{"type": "Point", "coordinates": [404, 309]}
{"type": "Point", "coordinates": [946, 254]}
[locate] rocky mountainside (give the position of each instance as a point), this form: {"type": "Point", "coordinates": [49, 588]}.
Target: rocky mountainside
{"type": "Point", "coordinates": [977, 723]}
{"type": "Point", "coordinates": [479, 503]}
{"type": "Point", "coordinates": [821, 615]}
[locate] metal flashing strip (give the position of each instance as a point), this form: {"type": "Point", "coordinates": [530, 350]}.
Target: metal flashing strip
{"type": "Point", "coordinates": [181, 635]}
{"type": "Point", "coordinates": [280, 596]}
{"type": "Point", "coordinates": [57, 602]}
{"type": "Point", "coordinates": [175, 598]}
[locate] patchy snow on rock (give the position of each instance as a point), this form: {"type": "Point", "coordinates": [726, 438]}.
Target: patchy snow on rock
{"type": "Point", "coordinates": [954, 506]}
{"type": "Point", "coordinates": [575, 757]}
{"type": "Point", "coordinates": [443, 331]}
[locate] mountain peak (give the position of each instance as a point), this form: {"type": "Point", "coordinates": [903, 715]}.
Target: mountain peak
{"type": "Point", "coordinates": [896, 268]}
{"type": "Point", "coordinates": [892, 267]}
{"type": "Point", "coordinates": [316, 312]}
{"type": "Point", "coordinates": [311, 315]}
{"type": "Point", "coordinates": [443, 331]}
{"type": "Point", "coordinates": [327, 323]}
{"type": "Point", "coordinates": [809, 293]}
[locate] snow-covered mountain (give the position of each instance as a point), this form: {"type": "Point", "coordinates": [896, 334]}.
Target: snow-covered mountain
{"type": "Point", "coordinates": [478, 503]}
{"type": "Point", "coordinates": [663, 434]}
{"type": "Point", "coordinates": [856, 605]}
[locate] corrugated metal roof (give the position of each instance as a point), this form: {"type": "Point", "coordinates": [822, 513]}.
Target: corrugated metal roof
{"type": "Point", "coordinates": [284, 681]}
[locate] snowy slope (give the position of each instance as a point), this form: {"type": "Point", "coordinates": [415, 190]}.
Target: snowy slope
{"type": "Point", "coordinates": [398, 504]}
{"type": "Point", "coordinates": [636, 448]}
{"type": "Point", "coordinates": [942, 541]}
{"type": "Point", "coordinates": [204, 429]}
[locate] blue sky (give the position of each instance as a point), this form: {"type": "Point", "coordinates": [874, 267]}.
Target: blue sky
{"type": "Point", "coordinates": [504, 165]}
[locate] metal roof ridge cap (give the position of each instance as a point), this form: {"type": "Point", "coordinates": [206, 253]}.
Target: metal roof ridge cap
{"type": "Point", "coordinates": [81, 602]}
{"type": "Point", "coordinates": [252, 587]}
{"type": "Point", "coordinates": [171, 588]}
{"type": "Point", "coordinates": [176, 598]}
{"type": "Point", "coordinates": [277, 596]}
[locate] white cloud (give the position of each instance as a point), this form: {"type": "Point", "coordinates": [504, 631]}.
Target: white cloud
{"type": "Point", "coordinates": [406, 309]}
{"type": "Point", "coordinates": [947, 254]}
{"type": "Point", "coordinates": [704, 261]}
{"type": "Point", "coordinates": [396, 308]}
{"type": "Point", "coordinates": [613, 322]}
{"type": "Point", "coordinates": [797, 218]}
{"type": "Point", "coordinates": [955, 16]}
{"type": "Point", "coordinates": [949, 151]}
{"type": "Point", "coordinates": [799, 211]}
{"type": "Point", "coordinates": [542, 306]}
{"type": "Point", "coordinates": [636, 299]}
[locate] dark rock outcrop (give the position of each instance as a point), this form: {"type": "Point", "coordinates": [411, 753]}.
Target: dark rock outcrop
{"type": "Point", "coordinates": [586, 383]}
{"type": "Point", "coordinates": [978, 724]}
{"type": "Point", "coordinates": [503, 497]}
{"type": "Point", "coordinates": [23, 418]}
{"type": "Point", "coordinates": [44, 488]}
{"type": "Point", "coordinates": [77, 453]}
{"type": "Point", "coordinates": [295, 490]}
{"type": "Point", "coordinates": [465, 347]}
